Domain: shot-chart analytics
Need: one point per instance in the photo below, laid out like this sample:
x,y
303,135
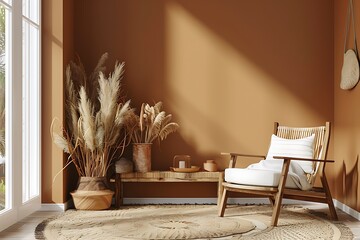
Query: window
x,y
5,17
30,96
19,109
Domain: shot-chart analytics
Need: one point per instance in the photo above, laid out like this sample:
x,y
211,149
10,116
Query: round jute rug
x,y
190,222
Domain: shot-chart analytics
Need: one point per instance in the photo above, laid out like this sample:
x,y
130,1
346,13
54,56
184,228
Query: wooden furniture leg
x,y
272,201
223,203
279,194
118,190
220,188
328,197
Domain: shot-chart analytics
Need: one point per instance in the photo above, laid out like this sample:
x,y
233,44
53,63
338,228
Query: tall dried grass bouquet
x,y
150,124
96,116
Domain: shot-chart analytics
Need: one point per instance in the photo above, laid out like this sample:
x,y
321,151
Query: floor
x,y
25,228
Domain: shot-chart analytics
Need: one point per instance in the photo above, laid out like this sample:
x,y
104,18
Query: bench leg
x,y
118,191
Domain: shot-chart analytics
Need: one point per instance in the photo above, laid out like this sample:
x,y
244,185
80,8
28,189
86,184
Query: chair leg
x,y
272,201
223,203
328,197
276,210
279,194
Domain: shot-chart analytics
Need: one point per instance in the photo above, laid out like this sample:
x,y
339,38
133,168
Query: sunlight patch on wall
x,y
56,112
57,19
216,92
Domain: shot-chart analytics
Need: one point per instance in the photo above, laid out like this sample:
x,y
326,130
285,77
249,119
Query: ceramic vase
x,y
142,157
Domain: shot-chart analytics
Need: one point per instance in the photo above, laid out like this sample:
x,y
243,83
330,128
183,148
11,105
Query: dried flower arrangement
x,y
151,124
95,129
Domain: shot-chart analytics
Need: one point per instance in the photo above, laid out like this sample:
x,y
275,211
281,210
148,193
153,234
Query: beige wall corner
x,y
56,49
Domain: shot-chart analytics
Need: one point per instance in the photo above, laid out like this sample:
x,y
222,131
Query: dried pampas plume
x,y
150,124
95,132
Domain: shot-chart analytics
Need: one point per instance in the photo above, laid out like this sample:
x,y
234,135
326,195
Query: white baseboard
x,y
265,201
131,201
56,207
52,207
347,209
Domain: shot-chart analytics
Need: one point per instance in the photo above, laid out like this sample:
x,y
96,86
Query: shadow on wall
x,y
256,29
225,71
230,67
350,183
287,50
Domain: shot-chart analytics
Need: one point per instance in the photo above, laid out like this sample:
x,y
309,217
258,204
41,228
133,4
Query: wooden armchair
x,y
281,187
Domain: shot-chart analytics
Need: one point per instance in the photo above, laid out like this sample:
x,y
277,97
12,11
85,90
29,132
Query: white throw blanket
x,y
295,171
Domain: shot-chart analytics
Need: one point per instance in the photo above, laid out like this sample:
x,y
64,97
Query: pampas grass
x,y
150,124
95,132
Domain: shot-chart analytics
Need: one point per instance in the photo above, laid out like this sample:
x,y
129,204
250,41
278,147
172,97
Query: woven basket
x,y
92,200
92,194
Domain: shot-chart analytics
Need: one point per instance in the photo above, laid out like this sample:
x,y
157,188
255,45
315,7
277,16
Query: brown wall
x,y
225,70
347,117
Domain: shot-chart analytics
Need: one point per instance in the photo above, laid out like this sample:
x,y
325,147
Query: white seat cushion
x,y
257,177
267,173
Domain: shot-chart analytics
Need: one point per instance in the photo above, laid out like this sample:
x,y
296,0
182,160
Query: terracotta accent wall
x,y
347,116
57,48
226,70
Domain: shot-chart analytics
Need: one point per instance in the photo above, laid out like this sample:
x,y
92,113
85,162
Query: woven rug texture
x,y
191,222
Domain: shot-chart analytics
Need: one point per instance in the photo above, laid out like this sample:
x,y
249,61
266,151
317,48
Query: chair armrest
x,y
243,155
303,159
233,157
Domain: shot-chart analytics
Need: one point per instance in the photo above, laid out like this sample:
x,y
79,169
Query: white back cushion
x,y
301,148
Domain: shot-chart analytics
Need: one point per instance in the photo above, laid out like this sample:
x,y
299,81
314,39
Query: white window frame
x,y
16,208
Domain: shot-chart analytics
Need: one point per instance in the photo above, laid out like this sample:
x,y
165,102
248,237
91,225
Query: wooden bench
x,y
164,176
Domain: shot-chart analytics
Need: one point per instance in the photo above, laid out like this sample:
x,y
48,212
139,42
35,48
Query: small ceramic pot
x,y
210,166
